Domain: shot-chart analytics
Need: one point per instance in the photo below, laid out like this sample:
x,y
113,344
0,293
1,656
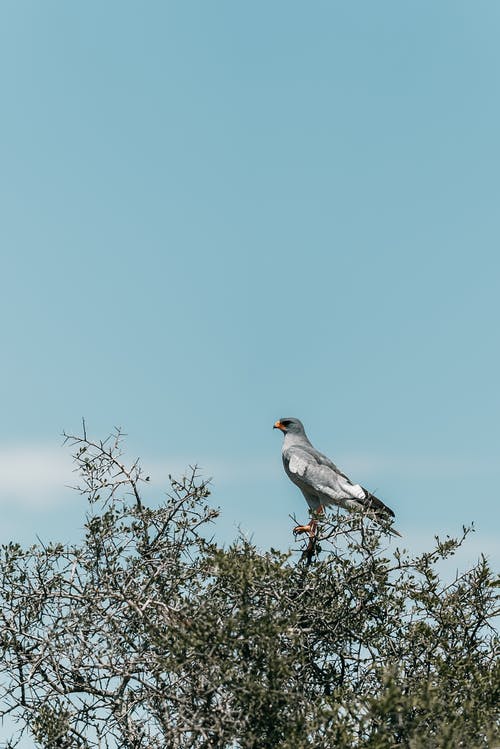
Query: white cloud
x,y
33,475
38,475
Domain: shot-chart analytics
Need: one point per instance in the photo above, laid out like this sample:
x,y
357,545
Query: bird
x,y
321,482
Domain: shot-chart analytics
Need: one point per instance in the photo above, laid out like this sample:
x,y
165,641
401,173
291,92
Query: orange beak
x,y
279,425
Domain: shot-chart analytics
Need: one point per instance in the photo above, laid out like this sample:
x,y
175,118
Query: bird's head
x,y
289,425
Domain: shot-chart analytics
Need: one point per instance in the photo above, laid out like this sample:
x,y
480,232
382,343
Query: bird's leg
x,y
312,526
312,530
305,528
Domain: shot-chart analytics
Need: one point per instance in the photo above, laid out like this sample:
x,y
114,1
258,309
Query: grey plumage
x,y
319,479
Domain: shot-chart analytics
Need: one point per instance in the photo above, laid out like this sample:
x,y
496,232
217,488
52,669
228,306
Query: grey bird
x,y
320,481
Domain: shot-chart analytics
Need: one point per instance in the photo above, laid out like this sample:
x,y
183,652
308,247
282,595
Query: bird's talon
x,y
302,529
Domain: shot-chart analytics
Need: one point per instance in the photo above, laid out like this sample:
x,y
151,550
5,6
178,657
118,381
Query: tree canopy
x,y
149,633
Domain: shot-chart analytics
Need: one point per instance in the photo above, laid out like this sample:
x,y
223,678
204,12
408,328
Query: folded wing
x,y
320,479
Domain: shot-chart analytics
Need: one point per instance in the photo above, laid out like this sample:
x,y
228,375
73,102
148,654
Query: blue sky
x,y
217,214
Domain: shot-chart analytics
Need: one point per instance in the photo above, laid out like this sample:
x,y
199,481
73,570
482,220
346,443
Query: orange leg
x,y
311,527
312,530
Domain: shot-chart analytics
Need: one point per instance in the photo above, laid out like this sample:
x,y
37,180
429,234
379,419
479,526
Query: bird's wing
x,y
298,461
306,470
324,460
315,473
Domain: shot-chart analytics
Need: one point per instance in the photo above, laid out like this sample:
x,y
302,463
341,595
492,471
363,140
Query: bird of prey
x,y
320,481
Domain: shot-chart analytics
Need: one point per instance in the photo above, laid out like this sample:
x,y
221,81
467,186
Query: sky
x,y
214,215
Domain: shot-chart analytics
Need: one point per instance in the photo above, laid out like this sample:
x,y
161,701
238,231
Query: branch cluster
x,y
149,634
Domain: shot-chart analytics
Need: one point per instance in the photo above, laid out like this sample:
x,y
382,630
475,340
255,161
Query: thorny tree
x,y
148,634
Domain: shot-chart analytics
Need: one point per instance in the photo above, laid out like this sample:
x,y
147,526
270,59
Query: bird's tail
x,y
393,532
380,512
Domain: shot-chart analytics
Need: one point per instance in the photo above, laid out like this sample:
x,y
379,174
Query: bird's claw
x,y
311,529
301,529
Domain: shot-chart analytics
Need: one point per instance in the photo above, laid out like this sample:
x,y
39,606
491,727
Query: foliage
x,y
149,634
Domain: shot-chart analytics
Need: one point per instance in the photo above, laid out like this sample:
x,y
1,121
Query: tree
x,y
150,634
